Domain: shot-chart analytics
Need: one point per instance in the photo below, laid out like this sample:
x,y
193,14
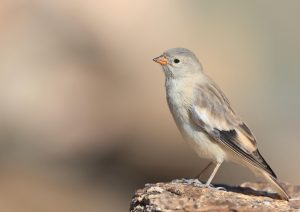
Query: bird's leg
x,y
197,182
204,170
213,174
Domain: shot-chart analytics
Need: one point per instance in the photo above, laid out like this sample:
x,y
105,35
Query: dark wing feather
x,y
229,138
213,114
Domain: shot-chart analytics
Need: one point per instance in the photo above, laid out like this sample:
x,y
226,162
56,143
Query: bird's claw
x,y
211,186
194,182
197,183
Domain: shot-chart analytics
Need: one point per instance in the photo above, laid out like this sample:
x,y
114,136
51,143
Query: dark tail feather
x,y
275,184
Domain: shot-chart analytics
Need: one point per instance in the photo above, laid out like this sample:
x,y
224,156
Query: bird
x,y
207,121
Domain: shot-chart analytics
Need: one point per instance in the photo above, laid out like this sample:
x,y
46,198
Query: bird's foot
x,y
211,186
193,182
197,183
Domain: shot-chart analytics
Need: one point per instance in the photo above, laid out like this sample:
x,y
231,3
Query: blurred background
x,y
83,116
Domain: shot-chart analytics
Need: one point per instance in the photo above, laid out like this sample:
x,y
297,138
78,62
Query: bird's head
x,y
179,62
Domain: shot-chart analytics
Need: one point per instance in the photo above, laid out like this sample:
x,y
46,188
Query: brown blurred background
x,y
83,116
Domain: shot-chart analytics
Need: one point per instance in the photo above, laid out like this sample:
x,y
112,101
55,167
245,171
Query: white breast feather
x,y
180,97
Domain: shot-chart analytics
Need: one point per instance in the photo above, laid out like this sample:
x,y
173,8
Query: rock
x,y
190,195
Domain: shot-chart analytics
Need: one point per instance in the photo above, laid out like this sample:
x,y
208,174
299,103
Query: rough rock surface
x,y
190,195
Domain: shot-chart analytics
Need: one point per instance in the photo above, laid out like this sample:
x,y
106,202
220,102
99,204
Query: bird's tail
x,y
275,184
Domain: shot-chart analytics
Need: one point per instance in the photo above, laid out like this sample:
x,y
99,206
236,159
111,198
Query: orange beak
x,y
162,60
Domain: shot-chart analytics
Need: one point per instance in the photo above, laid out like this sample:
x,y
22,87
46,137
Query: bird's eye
x,y
176,60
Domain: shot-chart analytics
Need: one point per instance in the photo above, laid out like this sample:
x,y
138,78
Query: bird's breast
x,y
179,98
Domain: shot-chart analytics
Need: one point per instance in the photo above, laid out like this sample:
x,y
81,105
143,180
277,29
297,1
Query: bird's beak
x,y
162,60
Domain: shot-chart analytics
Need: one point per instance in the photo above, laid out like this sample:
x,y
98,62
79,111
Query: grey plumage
x,y
211,99
205,118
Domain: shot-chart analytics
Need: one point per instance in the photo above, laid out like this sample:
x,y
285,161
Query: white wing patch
x,y
209,120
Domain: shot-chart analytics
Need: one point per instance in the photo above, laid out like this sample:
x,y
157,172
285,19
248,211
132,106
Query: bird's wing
x,y
211,112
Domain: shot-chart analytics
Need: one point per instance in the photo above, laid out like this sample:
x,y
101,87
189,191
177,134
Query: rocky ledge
x,y
191,195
